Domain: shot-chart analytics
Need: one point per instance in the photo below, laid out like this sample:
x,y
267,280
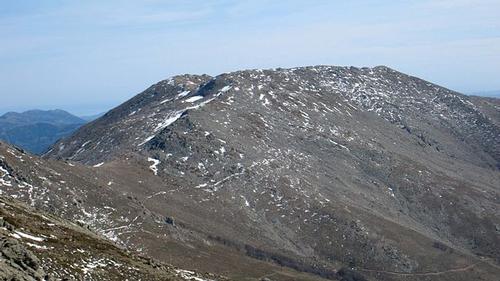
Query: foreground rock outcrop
x,y
36,246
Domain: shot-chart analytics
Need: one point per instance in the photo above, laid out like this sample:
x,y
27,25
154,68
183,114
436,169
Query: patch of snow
x,y
4,171
28,236
5,182
170,119
91,265
154,166
201,185
200,104
37,246
98,165
189,275
165,101
156,194
83,145
193,99
15,235
146,140
391,191
246,201
225,89
183,94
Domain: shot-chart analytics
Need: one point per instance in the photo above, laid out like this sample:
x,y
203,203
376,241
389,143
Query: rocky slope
x,y
39,246
101,203
306,173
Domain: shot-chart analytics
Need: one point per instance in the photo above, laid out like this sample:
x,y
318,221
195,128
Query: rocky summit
x,y
309,173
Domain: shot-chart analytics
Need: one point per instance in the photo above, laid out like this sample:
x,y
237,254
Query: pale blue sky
x,y
88,56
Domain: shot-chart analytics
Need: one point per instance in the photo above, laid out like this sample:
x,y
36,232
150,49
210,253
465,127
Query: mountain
x,y
56,116
492,94
89,118
308,173
37,130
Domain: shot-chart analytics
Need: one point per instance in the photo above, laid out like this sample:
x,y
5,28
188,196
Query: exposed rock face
x,y
312,169
18,263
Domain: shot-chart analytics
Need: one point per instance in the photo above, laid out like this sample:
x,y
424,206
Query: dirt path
x,y
461,269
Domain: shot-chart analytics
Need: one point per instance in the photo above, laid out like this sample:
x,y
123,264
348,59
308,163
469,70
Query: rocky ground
x,y
40,246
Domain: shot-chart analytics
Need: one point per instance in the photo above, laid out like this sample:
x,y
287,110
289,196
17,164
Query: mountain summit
x,y
307,173
426,111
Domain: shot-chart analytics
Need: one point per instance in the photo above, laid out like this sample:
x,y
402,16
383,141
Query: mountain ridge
x,y
36,130
361,98
56,116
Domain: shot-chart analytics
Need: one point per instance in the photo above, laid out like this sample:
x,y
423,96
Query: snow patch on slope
x,y
169,120
154,166
193,99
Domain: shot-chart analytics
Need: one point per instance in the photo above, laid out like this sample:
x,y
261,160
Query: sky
x,y
89,56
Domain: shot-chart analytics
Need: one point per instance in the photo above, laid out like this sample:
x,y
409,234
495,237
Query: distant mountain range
x,y
36,130
89,118
493,94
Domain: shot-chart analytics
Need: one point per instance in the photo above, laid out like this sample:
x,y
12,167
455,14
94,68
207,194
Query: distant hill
x,y
89,118
36,130
493,94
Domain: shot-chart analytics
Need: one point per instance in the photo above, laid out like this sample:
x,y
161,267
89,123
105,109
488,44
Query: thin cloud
x,y
461,3
120,47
